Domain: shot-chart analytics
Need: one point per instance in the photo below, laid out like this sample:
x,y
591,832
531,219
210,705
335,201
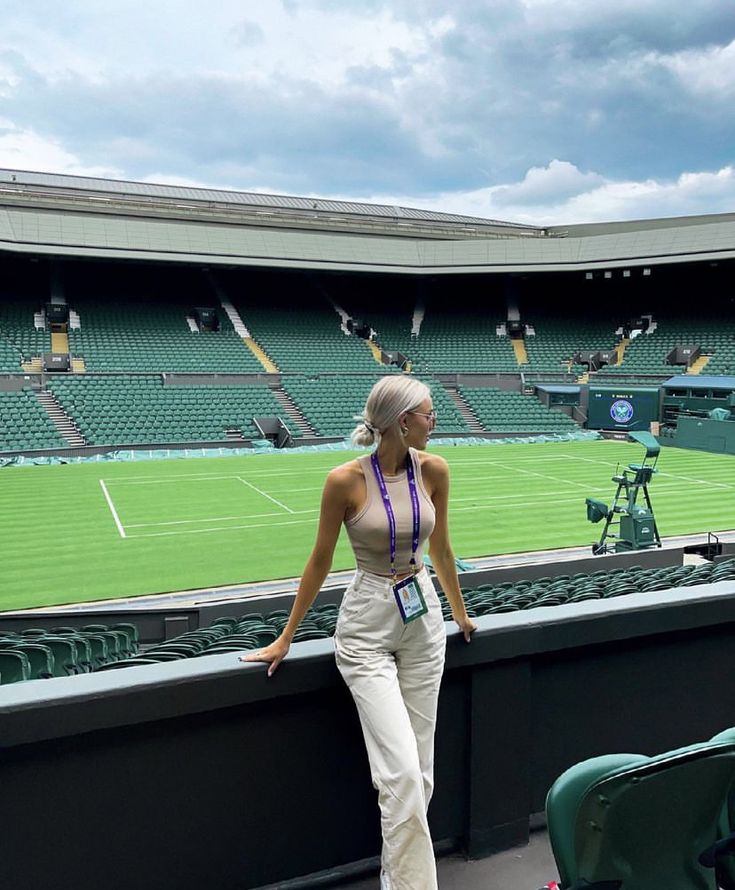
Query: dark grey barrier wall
x,y
205,773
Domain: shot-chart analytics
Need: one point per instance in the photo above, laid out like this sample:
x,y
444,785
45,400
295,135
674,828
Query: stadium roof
x,y
48,214
311,212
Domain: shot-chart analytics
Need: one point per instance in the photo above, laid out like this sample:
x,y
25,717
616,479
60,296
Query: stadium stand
x,y
304,334
24,424
458,341
606,657
331,402
20,340
139,335
646,353
135,409
253,630
37,654
507,411
556,341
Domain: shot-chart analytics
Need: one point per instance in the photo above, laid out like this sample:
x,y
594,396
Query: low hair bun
x,y
364,433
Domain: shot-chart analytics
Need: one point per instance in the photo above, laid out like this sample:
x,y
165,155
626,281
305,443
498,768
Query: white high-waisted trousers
x,y
393,671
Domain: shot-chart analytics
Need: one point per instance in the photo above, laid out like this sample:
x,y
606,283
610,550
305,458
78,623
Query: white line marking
x,y
220,528
197,478
215,519
112,508
658,472
265,495
514,469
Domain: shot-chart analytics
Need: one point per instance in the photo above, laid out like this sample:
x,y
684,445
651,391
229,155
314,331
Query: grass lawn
x,y
74,533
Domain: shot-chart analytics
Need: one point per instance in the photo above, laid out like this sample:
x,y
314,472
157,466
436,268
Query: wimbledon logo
x,y
621,411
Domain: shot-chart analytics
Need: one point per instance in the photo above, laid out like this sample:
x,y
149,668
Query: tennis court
x,y
80,532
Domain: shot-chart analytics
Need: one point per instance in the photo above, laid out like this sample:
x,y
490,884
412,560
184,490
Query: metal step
x,y
61,420
293,412
464,409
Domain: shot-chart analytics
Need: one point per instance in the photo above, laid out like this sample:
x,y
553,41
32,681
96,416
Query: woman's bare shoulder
x,y
433,463
346,474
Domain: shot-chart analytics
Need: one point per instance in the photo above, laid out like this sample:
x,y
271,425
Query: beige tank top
x,y
368,529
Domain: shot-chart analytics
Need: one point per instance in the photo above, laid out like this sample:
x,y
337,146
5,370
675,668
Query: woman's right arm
x,y
335,501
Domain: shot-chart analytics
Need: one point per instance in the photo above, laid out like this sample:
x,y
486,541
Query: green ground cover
x,y
75,533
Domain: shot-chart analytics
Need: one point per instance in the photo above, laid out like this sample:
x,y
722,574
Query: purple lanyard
x,y
415,510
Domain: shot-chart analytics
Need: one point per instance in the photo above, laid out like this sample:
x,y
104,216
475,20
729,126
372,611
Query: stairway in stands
x,y
293,412
519,348
698,364
468,415
620,350
242,331
61,420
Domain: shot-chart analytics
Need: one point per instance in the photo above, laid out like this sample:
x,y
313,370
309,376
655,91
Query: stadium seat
x,y
725,856
630,822
14,666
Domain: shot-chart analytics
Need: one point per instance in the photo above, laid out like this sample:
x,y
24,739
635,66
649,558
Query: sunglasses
x,y
431,416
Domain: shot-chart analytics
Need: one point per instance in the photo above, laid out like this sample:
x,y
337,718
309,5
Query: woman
x,y
390,636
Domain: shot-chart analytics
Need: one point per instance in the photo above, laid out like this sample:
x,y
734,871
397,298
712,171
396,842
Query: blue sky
x,y
540,111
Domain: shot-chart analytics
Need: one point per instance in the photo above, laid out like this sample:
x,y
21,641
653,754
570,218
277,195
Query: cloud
x,y
404,97
708,72
27,150
560,194
248,34
541,186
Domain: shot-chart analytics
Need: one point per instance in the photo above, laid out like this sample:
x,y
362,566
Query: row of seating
x,y
111,409
20,340
24,424
138,409
513,412
254,630
39,654
306,335
153,335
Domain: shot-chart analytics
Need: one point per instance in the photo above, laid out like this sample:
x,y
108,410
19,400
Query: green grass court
x,y
74,533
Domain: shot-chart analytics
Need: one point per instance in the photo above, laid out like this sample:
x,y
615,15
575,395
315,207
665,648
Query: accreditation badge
x,y
410,599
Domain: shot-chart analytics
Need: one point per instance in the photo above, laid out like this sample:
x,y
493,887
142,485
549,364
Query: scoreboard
x,y
622,407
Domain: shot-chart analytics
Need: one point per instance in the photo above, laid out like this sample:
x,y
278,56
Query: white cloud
x,y
27,150
709,71
560,194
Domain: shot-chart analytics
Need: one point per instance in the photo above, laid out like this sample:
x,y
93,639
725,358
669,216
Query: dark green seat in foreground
x,y
725,866
14,666
630,822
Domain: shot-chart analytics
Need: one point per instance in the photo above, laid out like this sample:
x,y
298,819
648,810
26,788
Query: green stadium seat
x,y
637,823
14,666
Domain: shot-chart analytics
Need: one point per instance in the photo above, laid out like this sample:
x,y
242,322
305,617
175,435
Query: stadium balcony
x,y
221,777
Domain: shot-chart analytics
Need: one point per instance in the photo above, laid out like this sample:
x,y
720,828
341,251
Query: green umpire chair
x,y
630,822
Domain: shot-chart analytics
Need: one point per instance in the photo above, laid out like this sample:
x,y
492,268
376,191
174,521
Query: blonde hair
x,y
390,398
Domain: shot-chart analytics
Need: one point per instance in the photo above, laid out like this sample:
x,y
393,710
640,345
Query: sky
x,y
534,111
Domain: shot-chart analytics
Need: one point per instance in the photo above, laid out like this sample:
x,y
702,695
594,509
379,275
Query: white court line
x,y
197,478
477,502
220,528
112,508
215,519
658,473
265,494
227,528
544,476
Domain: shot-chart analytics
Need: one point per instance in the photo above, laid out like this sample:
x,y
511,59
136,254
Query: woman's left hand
x,y
466,625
